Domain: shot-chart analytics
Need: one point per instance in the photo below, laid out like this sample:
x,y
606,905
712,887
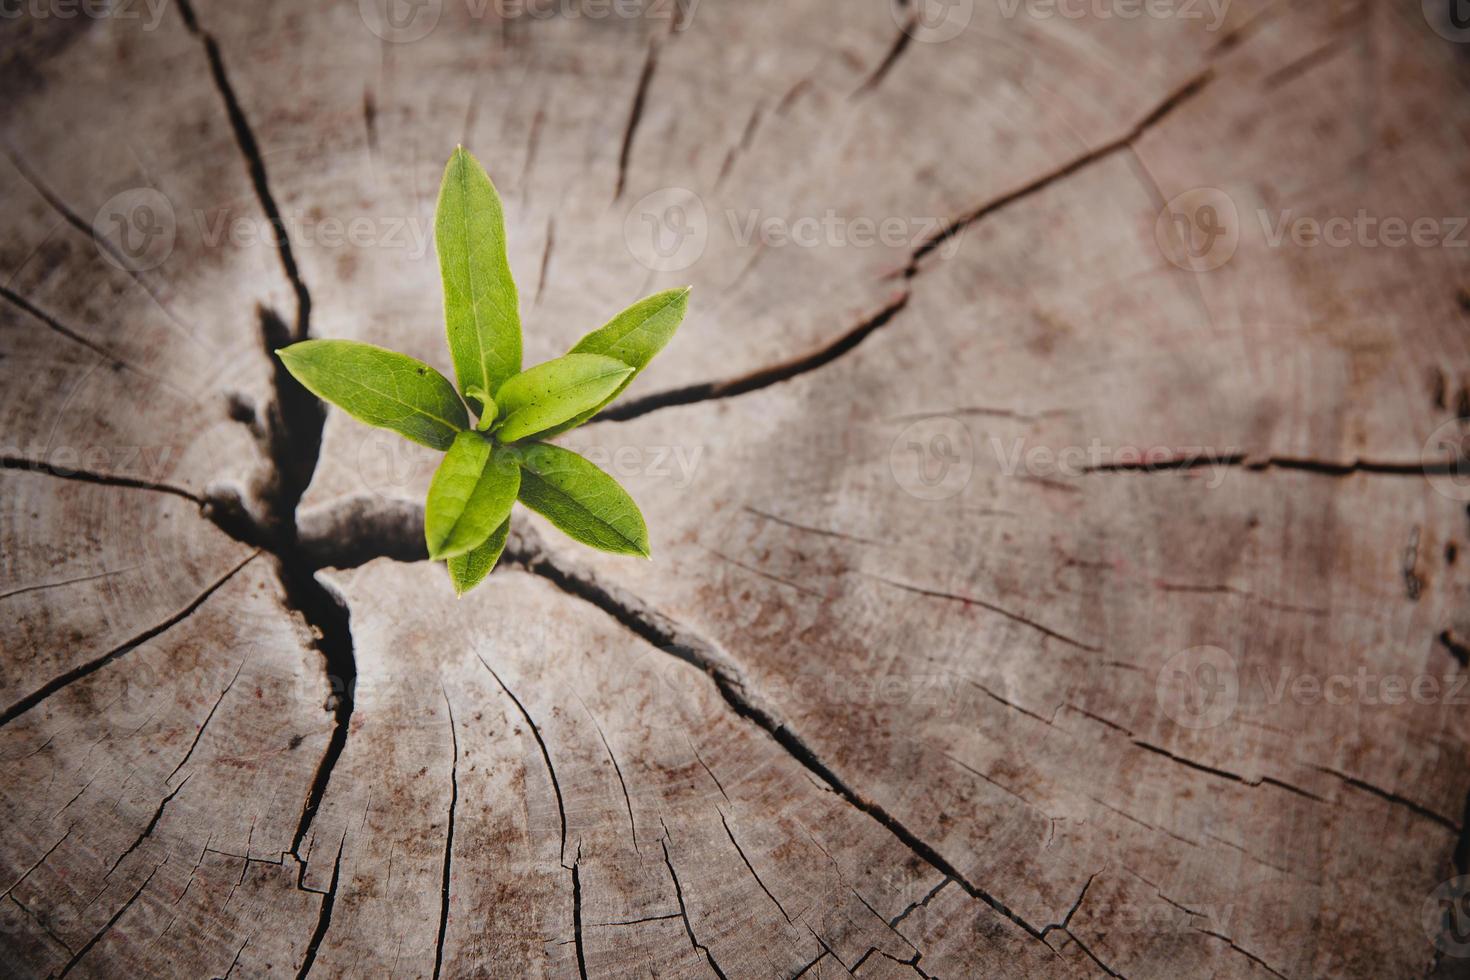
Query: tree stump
x,y
1054,495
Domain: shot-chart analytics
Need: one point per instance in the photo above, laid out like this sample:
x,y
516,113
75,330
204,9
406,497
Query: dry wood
x,y
847,723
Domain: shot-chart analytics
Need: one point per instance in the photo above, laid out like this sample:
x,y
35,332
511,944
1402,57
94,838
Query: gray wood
x,y
847,723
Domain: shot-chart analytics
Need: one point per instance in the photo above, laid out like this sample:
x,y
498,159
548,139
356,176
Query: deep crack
x,y
250,149
293,434
763,377
635,115
526,550
91,666
448,841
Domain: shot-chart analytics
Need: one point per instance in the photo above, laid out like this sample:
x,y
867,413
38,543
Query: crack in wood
x,y
765,377
635,116
81,953
82,670
1396,799
39,861
324,916
895,51
200,733
762,377
751,868
1320,467
618,770
69,215
577,914
561,808
148,830
684,913
448,838
992,607
255,163
677,641
114,360
102,479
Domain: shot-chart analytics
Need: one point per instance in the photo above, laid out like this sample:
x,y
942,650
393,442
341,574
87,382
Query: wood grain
x,y
1026,600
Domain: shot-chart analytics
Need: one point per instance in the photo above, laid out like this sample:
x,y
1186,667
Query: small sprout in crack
x,y
503,456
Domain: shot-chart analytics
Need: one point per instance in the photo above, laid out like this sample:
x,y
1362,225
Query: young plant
x,y
503,456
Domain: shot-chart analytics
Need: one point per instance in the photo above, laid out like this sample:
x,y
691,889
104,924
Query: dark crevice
x,y
1243,952
1225,773
1067,919
639,921
1185,92
1093,956
561,808
577,914
236,961
1321,467
293,433
355,530
762,378
200,733
1416,808
893,922
627,800
526,551
82,670
114,360
327,615
293,424
86,476
684,915
39,861
87,231
41,924
250,149
62,583
324,917
635,115
751,868
448,841
110,923
148,830
895,51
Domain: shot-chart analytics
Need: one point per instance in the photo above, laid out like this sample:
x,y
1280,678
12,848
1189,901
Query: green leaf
x,y
469,569
634,336
487,407
551,393
481,312
581,500
380,387
470,496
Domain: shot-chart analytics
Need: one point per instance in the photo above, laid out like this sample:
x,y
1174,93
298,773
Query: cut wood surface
x,y
1034,592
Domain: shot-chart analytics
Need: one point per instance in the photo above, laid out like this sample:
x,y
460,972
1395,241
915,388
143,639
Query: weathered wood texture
x,y
900,694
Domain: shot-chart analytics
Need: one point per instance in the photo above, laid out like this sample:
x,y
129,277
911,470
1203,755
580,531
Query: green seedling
x,y
503,456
